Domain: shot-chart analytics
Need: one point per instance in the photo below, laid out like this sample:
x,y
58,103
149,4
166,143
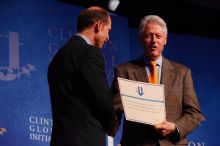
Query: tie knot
x,y
153,64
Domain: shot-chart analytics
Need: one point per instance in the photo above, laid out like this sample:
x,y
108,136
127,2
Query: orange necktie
x,y
153,78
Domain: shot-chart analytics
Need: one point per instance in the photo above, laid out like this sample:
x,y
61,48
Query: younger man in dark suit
x,y
82,108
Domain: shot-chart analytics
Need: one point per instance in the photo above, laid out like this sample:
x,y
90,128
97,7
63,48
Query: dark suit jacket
x,y
181,103
82,107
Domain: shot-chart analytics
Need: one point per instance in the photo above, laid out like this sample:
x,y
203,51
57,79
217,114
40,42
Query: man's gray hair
x,y
152,18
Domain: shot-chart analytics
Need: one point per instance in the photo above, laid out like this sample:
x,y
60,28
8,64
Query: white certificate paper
x,y
142,102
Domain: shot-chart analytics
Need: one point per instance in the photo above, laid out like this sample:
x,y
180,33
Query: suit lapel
x,y
167,75
140,72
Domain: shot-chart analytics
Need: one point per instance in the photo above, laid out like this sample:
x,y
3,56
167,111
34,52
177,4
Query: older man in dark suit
x,y
182,108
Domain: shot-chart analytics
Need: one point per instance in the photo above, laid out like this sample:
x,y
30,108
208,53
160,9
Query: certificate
x,y
142,102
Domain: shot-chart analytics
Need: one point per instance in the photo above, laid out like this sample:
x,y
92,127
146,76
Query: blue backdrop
x,y
30,34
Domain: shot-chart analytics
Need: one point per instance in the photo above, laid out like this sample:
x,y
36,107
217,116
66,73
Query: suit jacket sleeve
x,y
115,90
191,114
116,95
93,72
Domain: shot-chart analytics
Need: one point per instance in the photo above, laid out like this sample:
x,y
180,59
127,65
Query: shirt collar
x,y
159,60
84,37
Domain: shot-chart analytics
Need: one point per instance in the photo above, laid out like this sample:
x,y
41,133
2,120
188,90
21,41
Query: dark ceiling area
x,y
195,17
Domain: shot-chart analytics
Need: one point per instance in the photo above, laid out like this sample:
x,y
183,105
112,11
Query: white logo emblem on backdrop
x,y
13,70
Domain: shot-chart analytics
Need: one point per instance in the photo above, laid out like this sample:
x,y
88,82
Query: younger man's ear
x,y
97,26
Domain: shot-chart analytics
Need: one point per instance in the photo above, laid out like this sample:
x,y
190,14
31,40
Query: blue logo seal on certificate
x,y
140,91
